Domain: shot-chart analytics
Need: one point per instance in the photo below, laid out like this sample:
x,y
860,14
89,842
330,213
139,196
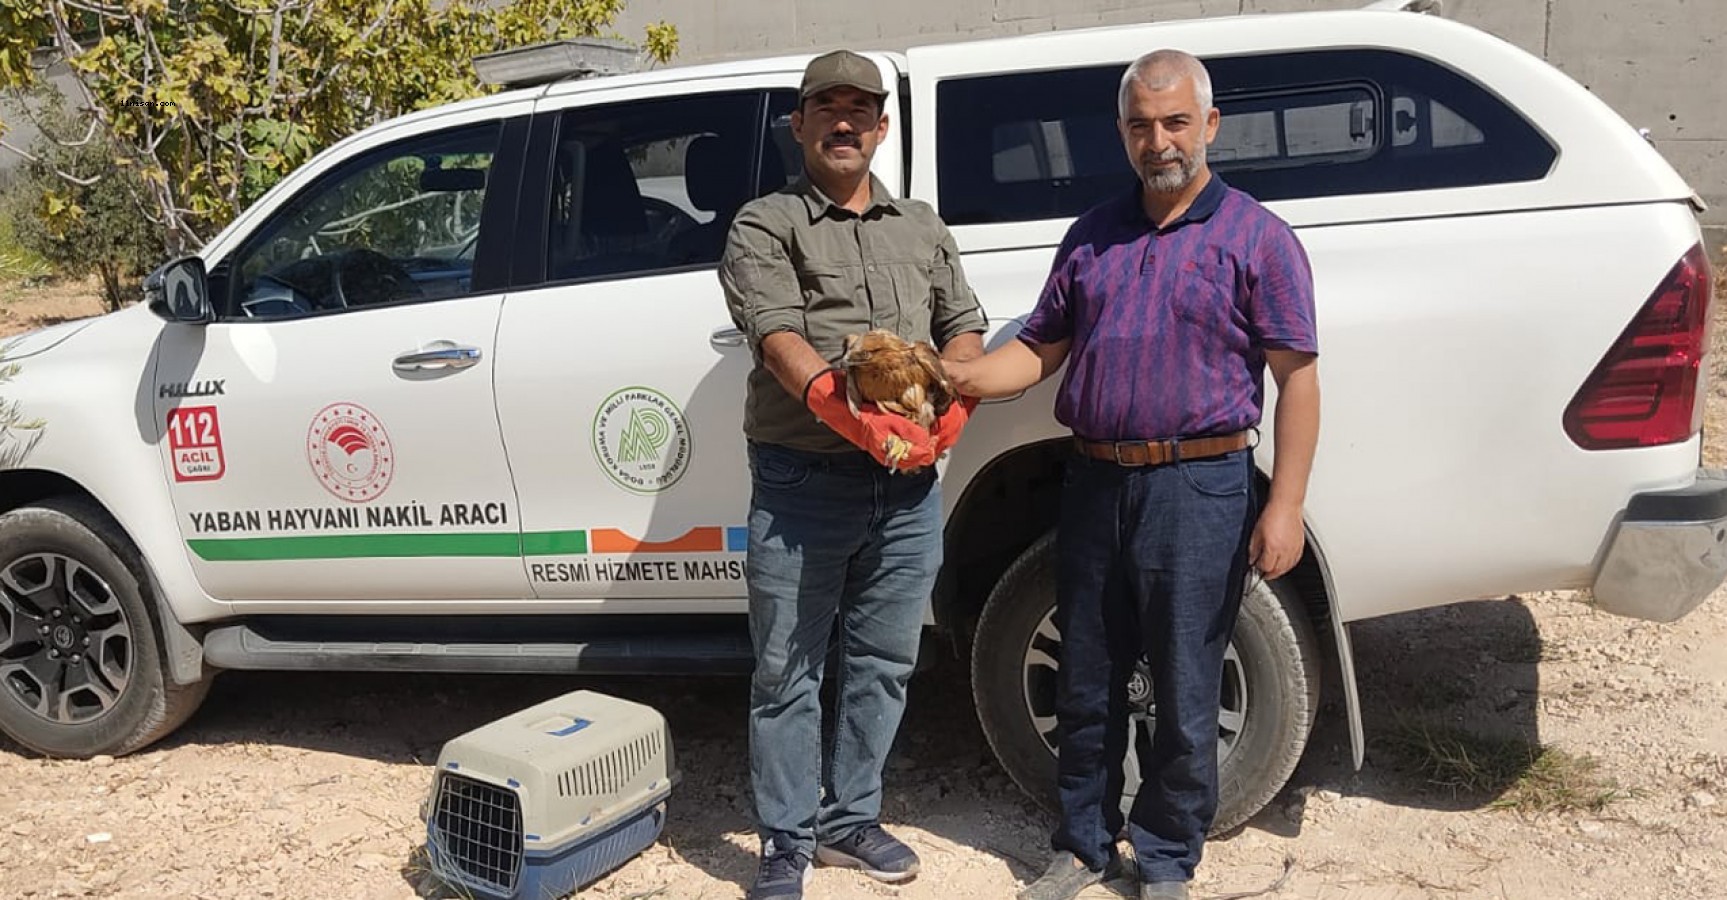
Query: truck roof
x,y
1237,32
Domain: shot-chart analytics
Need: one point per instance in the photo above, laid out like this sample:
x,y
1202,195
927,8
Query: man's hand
x,y
1277,540
894,441
1013,367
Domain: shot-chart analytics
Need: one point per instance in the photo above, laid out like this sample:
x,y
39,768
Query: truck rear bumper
x,y
1669,552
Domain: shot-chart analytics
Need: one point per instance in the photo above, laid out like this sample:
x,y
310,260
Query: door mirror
x,y
179,291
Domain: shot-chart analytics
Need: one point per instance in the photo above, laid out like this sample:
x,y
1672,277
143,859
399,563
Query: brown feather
x,y
896,375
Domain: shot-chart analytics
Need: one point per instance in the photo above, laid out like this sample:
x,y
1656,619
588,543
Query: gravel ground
x,y
308,785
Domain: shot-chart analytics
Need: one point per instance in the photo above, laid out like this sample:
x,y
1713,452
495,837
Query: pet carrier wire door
x,y
548,799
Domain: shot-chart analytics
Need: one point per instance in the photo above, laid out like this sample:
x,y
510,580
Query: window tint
x,y
1296,128
399,224
1413,117
1046,150
1044,144
651,185
783,160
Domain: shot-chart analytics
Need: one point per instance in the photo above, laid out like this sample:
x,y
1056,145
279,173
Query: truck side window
x,y
396,224
1044,145
651,185
1297,128
782,157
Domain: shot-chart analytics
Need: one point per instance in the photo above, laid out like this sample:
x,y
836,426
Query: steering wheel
x,y
362,276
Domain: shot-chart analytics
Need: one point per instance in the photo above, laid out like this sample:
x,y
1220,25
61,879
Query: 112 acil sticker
x,y
195,440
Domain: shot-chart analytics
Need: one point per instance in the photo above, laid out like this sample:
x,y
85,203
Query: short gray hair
x,y
1159,70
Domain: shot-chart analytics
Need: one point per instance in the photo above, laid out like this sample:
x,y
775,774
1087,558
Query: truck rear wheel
x,y
1270,690
81,670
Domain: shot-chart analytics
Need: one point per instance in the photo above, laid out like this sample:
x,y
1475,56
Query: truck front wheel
x,y
1270,689
81,671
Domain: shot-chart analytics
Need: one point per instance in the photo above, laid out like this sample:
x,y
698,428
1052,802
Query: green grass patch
x,y
1510,773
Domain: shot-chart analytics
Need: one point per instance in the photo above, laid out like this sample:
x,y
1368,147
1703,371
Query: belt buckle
x,y
1175,451
1115,448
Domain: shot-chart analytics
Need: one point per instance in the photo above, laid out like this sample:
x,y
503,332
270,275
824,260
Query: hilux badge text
x,y
212,388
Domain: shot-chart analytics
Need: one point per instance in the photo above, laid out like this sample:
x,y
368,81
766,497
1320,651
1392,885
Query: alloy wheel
x,y
66,649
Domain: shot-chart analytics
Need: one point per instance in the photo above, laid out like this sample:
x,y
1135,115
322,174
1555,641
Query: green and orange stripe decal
x,y
578,542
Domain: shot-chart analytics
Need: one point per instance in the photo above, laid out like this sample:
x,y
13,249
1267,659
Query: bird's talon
x,y
896,448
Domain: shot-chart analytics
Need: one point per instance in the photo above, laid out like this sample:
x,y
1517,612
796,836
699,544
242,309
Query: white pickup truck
x,y
461,393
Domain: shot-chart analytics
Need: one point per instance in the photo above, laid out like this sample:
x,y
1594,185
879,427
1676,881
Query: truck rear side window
x,y
1040,145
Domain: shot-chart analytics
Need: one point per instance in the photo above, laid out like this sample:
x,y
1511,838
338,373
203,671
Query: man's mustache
x,y
1170,155
843,139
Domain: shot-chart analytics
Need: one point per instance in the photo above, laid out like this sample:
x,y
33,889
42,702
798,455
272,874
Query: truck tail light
x,y
1647,390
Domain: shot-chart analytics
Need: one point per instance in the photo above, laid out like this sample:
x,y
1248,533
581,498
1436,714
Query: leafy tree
x,y
213,101
83,226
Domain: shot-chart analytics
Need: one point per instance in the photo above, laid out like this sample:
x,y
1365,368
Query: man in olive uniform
x,y
838,528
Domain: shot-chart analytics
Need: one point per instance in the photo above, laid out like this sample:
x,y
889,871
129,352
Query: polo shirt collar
x,y
1202,208
820,204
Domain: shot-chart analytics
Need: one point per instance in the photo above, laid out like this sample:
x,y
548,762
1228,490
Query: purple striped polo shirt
x,y
1170,325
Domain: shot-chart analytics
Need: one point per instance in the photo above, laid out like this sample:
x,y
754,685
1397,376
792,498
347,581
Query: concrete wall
x,y
1660,63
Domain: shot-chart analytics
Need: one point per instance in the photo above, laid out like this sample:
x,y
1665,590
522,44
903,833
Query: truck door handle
x,y
437,355
726,337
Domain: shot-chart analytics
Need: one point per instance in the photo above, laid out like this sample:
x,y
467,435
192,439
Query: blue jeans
x,y
832,537
1152,561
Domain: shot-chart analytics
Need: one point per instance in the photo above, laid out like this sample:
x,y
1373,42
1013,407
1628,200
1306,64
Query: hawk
x,y
898,376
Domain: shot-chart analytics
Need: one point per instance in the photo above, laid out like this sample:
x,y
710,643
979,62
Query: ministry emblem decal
x,y
642,440
350,452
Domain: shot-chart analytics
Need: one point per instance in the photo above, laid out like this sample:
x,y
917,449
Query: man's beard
x,y
1169,180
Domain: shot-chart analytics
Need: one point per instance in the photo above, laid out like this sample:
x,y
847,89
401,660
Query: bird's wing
x,y
938,389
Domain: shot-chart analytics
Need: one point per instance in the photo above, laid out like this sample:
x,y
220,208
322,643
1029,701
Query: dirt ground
x,y
1526,748
24,307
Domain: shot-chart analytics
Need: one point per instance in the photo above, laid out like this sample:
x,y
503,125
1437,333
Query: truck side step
x,y
243,646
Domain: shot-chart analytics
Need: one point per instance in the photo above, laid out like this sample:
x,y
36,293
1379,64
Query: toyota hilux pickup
x,y
461,394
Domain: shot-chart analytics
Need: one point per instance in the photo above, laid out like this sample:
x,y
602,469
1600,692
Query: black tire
x,y
118,697
1274,675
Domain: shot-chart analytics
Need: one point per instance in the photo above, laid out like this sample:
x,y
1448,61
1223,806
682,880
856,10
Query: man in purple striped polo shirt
x,y
1167,304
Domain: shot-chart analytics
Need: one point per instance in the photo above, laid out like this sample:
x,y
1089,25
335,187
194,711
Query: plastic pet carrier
x,y
549,799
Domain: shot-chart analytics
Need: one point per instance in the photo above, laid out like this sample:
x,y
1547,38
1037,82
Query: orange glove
x,y
894,441
947,428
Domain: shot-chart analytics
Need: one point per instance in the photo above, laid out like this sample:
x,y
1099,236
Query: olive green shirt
x,y
796,261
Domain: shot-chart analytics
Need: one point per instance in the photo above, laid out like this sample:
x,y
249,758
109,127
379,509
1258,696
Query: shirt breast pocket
x,y
834,305
1204,288
822,280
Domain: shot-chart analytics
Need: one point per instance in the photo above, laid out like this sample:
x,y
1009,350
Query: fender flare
x,y
1345,655
182,650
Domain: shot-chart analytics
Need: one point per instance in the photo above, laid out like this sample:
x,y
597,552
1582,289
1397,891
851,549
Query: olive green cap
x,y
841,68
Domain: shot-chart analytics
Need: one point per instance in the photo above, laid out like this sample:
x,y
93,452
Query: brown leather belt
x,y
1156,453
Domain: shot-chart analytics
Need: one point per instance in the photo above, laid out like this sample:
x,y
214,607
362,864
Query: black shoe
x,y
1163,890
878,854
782,875
1067,876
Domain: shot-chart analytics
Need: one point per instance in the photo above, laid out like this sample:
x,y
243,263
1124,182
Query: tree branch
x,y
273,79
81,182
148,42
97,8
48,133
70,49
336,66
339,226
